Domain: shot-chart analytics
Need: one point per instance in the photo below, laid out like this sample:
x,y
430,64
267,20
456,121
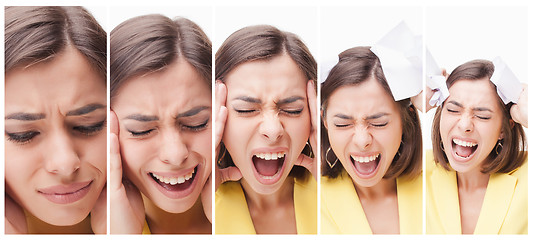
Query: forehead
x,y
365,98
178,84
68,76
279,74
479,92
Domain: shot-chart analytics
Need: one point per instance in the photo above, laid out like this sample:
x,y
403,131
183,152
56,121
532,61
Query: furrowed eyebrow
x,y
343,116
248,99
289,100
192,112
456,103
85,109
25,116
482,109
142,118
376,116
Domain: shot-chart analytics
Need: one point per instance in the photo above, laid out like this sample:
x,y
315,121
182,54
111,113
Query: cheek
x,y
339,141
21,165
237,133
200,143
95,152
134,154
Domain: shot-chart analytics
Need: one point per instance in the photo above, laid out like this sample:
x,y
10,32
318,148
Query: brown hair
x,y
262,42
35,34
513,143
355,66
150,43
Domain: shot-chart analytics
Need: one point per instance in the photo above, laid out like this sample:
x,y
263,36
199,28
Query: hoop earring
x,y
331,165
221,158
499,144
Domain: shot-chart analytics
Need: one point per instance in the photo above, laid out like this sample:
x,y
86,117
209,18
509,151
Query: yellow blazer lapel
x,y
231,210
343,204
445,192
499,193
305,202
410,200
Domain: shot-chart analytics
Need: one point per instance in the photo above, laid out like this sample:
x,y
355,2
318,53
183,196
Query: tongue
x,y
463,151
265,167
366,168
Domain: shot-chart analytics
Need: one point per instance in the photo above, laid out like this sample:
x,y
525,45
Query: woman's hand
x,y
15,220
126,203
99,213
519,111
229,173
303,160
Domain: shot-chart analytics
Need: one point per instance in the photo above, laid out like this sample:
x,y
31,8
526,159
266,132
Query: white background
x,y
443,20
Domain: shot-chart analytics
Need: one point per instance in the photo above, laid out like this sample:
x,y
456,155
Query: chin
x,y
63,217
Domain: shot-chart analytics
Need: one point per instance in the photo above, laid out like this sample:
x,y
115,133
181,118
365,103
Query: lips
x,y
366,165
65,194
463,149
175,185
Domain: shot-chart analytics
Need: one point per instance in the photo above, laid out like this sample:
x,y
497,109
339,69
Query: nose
x,y
271,128
465,123
63,158
362,138
173,149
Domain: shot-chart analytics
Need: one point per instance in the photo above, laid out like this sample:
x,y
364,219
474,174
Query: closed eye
x,y
91,129
198,127
293,112
22,137
140,133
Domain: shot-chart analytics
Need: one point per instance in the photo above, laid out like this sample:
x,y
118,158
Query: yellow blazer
x,y
504,209
342,212
233,217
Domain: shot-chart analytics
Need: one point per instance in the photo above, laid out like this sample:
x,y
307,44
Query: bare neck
x,y
384,188
192,221
472,180
265,201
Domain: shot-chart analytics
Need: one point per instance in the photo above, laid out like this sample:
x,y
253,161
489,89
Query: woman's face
x,y
165,134
55,131
471,123
365,130
268,120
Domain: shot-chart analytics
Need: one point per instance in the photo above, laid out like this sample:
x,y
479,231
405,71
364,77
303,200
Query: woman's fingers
x,y
519,111
206,198
222,112
308,163
226,174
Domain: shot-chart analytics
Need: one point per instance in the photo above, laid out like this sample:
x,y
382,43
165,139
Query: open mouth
x,y
463,149
174,185
366,166
268,165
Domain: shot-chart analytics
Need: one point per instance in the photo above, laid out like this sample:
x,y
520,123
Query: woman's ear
x,y
512,124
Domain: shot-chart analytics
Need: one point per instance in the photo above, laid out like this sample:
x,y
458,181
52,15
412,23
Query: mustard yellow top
x,y
233,217
342,212
146,230
504,209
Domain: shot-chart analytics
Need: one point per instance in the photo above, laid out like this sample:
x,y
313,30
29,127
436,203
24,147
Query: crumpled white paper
x,y
400,53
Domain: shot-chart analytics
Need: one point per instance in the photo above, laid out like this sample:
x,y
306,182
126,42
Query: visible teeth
x,y
365,159
464,143
174,180
270,156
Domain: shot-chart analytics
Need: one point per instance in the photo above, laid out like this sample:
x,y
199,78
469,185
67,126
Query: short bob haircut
x,y
355,66
262,43
38,34
150,43
513,143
